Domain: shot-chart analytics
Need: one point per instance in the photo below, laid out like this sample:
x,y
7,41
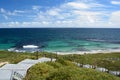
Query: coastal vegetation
x,y
64,68
110,61
13,57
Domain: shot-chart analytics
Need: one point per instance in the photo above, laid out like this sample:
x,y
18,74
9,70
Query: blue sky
x,y
60,13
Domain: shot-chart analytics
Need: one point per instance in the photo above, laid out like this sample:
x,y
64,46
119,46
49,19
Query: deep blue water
x,y
61,39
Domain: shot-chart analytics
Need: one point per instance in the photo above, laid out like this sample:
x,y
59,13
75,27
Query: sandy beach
x,y
85,52
3,63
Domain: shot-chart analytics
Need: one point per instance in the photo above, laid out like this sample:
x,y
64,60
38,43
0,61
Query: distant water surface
x,y
61,39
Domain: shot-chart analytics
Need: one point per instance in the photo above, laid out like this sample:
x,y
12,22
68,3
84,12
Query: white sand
x,y
83,52
3,63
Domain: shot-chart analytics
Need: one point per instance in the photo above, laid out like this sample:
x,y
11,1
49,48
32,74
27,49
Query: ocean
x,y
62,39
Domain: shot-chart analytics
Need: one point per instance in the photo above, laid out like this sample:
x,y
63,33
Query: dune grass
x,y
65,70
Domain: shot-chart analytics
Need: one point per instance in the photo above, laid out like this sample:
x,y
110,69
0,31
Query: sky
x,y
60,13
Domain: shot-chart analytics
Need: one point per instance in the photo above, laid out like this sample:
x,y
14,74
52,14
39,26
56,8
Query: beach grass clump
x,y
64,68
61,71
13,57
39,71
110,61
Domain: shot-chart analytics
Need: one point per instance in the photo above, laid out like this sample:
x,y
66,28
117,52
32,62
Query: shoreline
x,y
3,63
87,52
72,52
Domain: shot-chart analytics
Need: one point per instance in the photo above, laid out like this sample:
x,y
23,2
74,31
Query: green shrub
x,y
73,73
54,64
65,62
39,72
57,71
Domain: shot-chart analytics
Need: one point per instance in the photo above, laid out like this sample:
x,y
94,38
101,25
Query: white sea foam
x,y
26,48
71,52
11,49
95,40
30,46
33,48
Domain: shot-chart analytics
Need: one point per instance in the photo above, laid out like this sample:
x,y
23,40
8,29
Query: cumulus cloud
x,y
89,16
77,13
37,8
53,12
115,2
12,13
19,11
77,5
6,17
5,12
2,10
115,18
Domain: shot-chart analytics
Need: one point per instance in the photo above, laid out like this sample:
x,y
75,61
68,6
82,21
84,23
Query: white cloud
x,y
77,5
53,12
36,7
19,11
78,13
115,2
5,12
2,10
6,17
13,24
115,18
12,13
74,13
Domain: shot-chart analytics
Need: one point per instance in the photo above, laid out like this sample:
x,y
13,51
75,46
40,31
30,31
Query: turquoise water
x,y
79,45
5,46
61,40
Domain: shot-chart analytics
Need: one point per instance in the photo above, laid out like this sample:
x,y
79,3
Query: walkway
x,y
19,71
